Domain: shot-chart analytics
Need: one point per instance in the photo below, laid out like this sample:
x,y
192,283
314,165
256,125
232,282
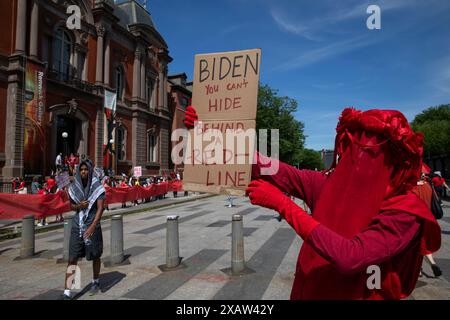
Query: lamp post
x,y
64,136
111,142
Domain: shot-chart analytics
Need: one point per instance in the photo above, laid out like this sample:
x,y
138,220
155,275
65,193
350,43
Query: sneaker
x,y
65,297
39,224
95,288
436,270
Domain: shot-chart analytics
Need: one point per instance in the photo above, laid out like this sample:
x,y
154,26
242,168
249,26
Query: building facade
x,y
53,80
180,96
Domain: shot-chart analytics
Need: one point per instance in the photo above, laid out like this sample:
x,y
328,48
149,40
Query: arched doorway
x,y
70,119
72,127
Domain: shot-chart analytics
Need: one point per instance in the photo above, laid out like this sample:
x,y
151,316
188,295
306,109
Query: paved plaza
x,y
271,249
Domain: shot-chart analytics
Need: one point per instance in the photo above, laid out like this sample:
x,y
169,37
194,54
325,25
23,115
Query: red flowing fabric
x,y
379,163
16,206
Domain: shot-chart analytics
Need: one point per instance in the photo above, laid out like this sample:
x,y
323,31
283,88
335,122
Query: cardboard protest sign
x,y
137,172
225,92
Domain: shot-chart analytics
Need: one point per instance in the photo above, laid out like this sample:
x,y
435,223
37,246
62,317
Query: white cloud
x,y
331,50
313,27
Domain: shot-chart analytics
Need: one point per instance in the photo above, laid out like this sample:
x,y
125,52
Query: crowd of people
x,y
130,181
69,166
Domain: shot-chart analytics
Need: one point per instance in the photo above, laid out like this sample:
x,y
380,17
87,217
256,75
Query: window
x,y
62,50
184,103
81,63
46,48
151,147
121,144
119,83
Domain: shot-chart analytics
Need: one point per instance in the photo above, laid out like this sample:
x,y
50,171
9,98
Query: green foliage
x,y
434,123
310,159
275,112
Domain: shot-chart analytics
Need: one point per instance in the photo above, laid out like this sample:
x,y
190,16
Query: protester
x,y
58,162
425,192
134,182
19,185
173,177
71,163
66,164
35,186
49,187
124,184
364,212
105,183
86,196
439,184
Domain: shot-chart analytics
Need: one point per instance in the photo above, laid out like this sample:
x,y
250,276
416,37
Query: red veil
x,y
377,163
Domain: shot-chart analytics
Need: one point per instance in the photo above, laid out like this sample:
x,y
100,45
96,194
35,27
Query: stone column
x,y
165,89
27,247
237,245
116,239
21,26
137,74
164,145
152,101
100,48
34,29
15,119
172,242
107,62
66,241
143,78
99,131
134,133
161,90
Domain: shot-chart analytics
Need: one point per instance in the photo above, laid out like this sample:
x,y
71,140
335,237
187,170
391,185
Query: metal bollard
x,y
116,239
172,242
67,232
237,245
27,248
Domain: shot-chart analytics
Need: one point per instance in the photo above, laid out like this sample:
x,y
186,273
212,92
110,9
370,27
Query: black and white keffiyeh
x,y
91,192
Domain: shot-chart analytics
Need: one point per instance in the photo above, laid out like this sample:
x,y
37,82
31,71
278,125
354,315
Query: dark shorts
x,y
77,247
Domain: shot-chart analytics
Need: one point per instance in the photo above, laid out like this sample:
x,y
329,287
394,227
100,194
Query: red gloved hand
x,y
191,117
264,194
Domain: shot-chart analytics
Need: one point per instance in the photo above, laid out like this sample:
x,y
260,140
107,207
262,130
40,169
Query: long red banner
x,y
15,206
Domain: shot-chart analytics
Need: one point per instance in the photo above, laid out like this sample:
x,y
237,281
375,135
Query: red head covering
x,y
425,169
377,163
50,184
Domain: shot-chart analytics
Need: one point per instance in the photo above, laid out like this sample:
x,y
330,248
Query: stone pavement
x,y
271,249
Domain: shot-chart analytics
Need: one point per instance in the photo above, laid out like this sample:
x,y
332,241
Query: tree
x,y
310,159
434,123
275,112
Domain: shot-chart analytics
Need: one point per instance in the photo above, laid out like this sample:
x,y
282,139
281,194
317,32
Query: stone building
x,y
180,97
53,80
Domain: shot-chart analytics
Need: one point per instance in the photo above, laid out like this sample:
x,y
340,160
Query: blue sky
x,y
321,52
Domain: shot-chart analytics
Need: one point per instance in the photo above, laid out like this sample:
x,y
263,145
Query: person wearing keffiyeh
x,y
87,196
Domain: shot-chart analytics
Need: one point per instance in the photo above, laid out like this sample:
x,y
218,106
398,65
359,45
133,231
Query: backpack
x,y
436,205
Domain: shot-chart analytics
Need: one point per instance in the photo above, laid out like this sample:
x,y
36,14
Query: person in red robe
x,y
364,214
425,192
